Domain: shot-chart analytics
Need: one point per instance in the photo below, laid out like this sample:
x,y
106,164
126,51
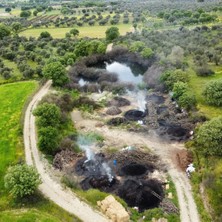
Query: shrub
x,y
179,88
213,93
21,180
209,137
187,100
203,71
170,77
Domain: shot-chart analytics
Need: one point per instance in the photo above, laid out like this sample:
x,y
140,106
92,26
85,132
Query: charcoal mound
x,y
134,169
144,194
118,101
157,99
117,121
113,111
173,130
103,183
135,115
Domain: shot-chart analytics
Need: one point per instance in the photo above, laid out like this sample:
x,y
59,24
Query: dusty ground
x,y
120,138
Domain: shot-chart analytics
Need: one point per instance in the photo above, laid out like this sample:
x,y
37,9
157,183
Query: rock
x,y
167,186
170,195
113,209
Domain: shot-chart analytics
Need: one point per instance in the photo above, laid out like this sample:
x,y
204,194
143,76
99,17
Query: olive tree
x,y
48,115
112,33
209,137
4,31
213,93
21,180
57,72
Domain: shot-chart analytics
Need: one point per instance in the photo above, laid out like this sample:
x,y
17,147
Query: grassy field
x,y
85,31
196,82
12,99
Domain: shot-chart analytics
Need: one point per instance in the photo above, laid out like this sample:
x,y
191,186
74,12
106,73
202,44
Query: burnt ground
x,y
127,173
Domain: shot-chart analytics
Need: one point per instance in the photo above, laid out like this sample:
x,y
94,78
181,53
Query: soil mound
x,y
113,111
118,101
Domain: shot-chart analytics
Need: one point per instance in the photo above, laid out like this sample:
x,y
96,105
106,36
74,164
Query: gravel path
x,y
51,189
115,137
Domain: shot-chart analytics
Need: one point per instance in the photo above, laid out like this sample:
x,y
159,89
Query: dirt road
x,y
115,137
49,187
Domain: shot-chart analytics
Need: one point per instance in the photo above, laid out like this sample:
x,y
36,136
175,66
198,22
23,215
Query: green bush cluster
x,y
21,180
48,120
213,93
177,82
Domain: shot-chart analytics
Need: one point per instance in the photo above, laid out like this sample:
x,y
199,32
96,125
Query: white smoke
x,y
141,100
107,171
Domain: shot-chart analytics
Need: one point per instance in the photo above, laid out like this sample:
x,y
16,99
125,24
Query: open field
x,y
12,99
196,82
86,31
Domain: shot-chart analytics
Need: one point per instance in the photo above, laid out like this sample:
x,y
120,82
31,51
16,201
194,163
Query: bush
x,y
48,139
179,88
170,77
187,100
213,93
48,115
21,180
203,71
209,137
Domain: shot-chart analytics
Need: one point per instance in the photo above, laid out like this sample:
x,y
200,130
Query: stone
x,y
113,209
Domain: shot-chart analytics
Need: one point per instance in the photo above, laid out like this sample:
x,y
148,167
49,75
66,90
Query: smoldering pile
x,y
127,174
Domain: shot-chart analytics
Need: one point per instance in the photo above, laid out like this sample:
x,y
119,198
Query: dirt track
x,y
115,137
49,187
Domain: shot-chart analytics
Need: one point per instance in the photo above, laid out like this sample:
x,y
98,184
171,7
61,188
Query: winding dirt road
x,y
49,187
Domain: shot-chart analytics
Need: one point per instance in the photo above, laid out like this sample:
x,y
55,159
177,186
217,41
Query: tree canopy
x,y
21,180
4,31
213,93
209,137
57,72
112,33
48,115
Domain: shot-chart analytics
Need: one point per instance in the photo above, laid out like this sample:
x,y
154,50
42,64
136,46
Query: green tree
x,y
44,35
48,115
16,26
8,9
48,139
35,12
213,93
74,32
137,46
209,137
25,14
187,100
112,33
21,180
146,53
170,77
57,72
179,88
4,31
